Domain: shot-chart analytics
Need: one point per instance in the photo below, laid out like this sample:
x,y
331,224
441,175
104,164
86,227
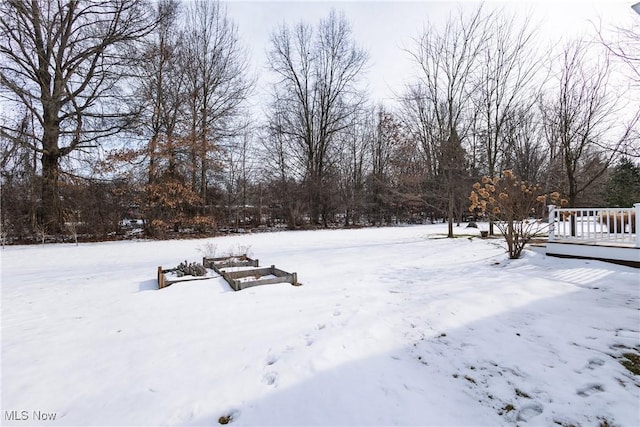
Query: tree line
x,y
131,110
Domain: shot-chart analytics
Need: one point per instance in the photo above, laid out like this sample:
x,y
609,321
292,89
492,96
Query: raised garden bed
x,y
168,277
239,271
258,276
231,261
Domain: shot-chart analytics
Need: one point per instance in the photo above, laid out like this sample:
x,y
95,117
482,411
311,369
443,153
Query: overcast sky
x,y
384,28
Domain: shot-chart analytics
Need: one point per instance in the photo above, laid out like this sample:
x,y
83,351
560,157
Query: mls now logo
x,y
26,416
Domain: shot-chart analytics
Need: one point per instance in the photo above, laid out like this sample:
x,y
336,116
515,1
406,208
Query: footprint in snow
x,y
337,313
594,363
271,359
270,378
529,411
590,389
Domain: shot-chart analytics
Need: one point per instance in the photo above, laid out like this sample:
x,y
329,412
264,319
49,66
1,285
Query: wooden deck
x,y
596,233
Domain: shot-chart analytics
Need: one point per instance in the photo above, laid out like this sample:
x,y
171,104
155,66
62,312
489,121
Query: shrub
x,y
512,205
192,269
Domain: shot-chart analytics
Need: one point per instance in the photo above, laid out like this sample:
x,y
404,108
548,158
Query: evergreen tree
x,y
623,187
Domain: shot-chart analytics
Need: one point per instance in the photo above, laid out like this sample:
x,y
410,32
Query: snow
x,y
254,278
173,276
235,269
392,326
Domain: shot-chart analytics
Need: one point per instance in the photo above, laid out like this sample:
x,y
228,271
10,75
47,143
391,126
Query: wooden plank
x,y
163,282
225,262
291,277
248,273
269,281
282,276
161,278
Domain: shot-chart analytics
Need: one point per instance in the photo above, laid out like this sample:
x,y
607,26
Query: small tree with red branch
x,y
513,206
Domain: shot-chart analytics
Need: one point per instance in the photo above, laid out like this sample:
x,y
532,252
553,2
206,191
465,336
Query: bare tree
x,y
18,176
408,176
239,171
315,97
384,141
582,116
447,61
193,86
63,62
162,89
417,116
506,71
217,73
504,76
355,165
525,152
281,174
624,43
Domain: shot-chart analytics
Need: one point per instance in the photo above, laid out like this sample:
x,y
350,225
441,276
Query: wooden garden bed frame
x,y
232,277
230,261
163,282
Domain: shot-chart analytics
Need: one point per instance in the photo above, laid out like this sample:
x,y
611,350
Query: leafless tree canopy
x,y
504,78
157,96
193,95
217,82
582,115
316,96
440,100
624,43
62,61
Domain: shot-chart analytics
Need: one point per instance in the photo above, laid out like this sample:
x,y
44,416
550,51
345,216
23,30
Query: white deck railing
x,y
595,225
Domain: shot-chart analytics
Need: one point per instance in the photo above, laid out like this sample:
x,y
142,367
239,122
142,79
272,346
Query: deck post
x,y
637,207
552,221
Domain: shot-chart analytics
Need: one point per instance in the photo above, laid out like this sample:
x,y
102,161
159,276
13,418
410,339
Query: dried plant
x,y
244,250
71,220
208,249
41,230
513,206
239,250
190,269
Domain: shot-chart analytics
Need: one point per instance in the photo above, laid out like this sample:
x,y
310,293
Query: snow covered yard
x,y
392,326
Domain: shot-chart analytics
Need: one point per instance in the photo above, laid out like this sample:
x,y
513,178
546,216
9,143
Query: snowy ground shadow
x,y
217,284
148,285
548,362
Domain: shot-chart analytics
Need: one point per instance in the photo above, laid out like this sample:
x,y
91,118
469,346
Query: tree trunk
x,y
510,240
50,213
314,198
450,215
203,150
573,196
